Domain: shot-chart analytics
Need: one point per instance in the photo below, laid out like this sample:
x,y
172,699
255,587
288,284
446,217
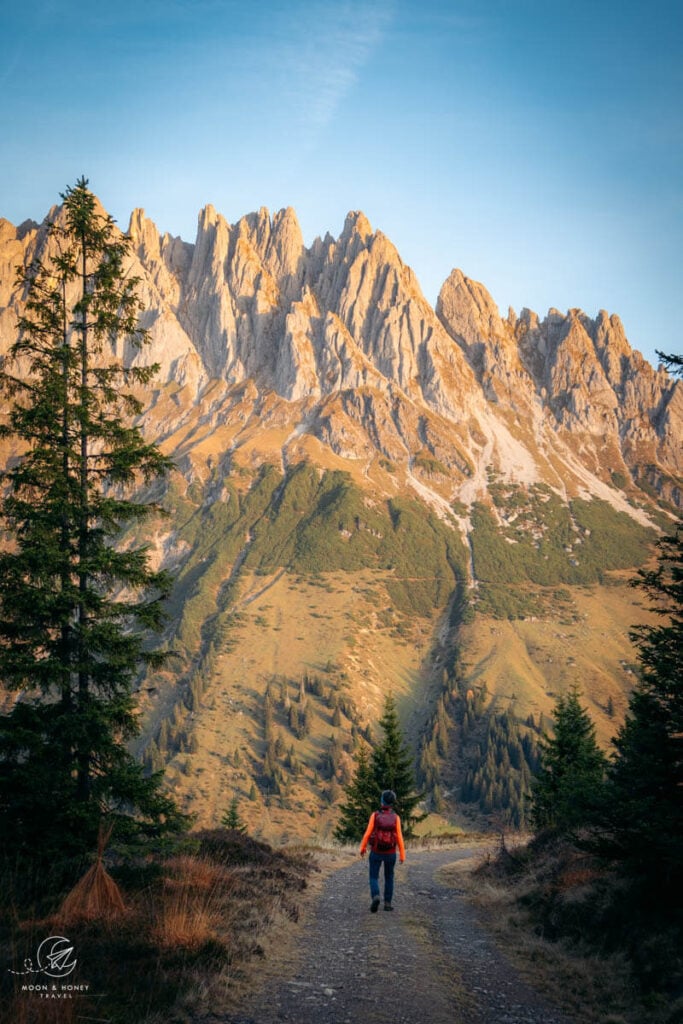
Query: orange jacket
x,y
399,837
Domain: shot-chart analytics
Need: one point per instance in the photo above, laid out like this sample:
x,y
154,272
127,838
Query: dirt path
x,y
428,962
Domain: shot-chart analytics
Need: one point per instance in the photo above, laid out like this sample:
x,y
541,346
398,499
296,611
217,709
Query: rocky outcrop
x,y
471,318
580,375
342,332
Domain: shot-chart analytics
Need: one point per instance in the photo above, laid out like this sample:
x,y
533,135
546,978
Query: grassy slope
x,y
530,661
351,585
332,628
334,631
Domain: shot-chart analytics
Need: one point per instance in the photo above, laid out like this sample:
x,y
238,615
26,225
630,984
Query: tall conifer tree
x,y
75,609
232,819
392,767
571,771
642,821
643,818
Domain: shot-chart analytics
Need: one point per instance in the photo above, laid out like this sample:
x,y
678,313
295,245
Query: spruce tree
x,y
673,363
392,768
231,818
571,771
642,825
361,801
76,610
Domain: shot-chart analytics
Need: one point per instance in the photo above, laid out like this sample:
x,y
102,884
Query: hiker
x,y
383,835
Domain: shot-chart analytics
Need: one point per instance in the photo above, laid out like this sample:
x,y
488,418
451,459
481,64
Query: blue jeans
x,y
376,861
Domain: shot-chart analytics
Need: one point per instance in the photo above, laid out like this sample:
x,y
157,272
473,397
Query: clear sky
x,y
535,144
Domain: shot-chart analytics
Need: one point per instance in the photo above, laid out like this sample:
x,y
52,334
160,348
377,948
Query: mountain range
x,y
375,495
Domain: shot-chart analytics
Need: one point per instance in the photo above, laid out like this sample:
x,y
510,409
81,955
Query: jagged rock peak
x,y
357,223
144,233
207,215
7,229
138,222
467,310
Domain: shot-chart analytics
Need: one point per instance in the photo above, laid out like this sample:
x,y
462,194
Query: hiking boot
x,y
374,905
388,906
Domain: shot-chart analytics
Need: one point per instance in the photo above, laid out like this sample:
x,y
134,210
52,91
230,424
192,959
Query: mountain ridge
x,y
354,316
366,486
250,301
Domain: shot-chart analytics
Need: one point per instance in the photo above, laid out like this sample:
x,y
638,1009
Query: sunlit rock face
x,y
337,342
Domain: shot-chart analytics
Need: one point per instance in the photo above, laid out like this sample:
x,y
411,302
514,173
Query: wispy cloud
x,y
322,59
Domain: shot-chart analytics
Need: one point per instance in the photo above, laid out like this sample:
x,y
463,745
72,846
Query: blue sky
x,y
535,144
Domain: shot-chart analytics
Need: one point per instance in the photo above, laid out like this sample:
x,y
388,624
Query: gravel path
x,y
428,962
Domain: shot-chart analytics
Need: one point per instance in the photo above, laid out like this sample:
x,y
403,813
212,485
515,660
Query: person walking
x,y
383,836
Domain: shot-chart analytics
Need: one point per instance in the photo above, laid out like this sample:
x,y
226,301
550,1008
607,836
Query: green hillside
x,y
302,599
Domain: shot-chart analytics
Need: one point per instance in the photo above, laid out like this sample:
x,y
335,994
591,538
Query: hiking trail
x,y
430,961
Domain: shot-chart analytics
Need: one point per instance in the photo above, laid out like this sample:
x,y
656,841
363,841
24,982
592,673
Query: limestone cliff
x,y
341,333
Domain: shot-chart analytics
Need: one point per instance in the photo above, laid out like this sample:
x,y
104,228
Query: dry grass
x,y
95,897
533,660
590,986
192,912
198,874
513,891
195,927
185,921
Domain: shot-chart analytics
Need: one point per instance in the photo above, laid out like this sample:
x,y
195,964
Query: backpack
x,y
383,838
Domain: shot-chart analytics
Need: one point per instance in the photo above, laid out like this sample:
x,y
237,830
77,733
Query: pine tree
x,y
571,771
392,768
643,815
231,818
361,801
75,610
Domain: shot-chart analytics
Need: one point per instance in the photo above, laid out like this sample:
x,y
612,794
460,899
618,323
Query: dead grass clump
x,y
186,920
96,896
194,903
